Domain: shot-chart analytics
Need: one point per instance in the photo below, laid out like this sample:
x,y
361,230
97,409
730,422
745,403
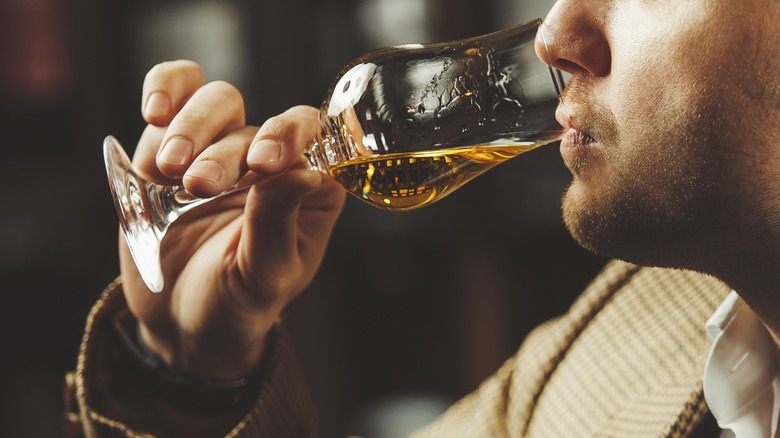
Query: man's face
x,y
674,117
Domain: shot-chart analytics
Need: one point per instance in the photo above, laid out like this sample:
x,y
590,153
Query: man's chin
x,y
599,226
579,217
613,233
583,235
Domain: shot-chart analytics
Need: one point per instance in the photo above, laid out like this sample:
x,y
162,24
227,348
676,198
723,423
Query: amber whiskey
x,y
404,181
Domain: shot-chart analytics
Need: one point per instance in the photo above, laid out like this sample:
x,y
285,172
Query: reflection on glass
x,y
401,127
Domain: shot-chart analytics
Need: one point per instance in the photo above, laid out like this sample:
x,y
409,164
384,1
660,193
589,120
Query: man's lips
x,y
575,140
574,147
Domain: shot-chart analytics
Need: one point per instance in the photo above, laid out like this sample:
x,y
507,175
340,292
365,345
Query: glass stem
x,y
174,201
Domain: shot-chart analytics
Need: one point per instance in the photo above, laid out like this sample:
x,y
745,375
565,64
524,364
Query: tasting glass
x,y
400,128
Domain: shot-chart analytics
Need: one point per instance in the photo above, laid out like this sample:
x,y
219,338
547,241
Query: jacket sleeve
x,y
502,404
106,402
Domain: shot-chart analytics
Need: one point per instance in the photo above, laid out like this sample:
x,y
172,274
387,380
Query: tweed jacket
x,y
625,361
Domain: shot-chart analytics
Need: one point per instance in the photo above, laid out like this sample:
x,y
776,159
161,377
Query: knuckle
x,y
277,125
168,69
227,94
225,88
155,72
185,67
290,127
290,120
302,111
186,120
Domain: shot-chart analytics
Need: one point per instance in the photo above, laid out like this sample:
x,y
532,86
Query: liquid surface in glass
x,y
409,180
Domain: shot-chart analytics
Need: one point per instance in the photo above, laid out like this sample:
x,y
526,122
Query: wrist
x,y
186,392
215,356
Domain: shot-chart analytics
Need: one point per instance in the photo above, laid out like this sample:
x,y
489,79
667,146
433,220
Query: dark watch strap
x,y
192,394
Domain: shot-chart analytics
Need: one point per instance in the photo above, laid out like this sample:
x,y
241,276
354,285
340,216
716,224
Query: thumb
x,y
268,250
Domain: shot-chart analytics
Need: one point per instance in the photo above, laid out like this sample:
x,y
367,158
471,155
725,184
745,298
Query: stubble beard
x,y
645,203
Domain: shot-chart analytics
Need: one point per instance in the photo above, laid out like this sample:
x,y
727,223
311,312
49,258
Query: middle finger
x,y
216,108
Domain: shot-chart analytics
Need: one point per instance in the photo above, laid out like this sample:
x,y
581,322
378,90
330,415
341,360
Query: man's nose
x,y
573,38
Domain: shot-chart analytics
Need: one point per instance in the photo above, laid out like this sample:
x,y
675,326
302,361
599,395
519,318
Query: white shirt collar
x,y
741,378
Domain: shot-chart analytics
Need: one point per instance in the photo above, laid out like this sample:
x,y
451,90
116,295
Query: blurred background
x,y
410,311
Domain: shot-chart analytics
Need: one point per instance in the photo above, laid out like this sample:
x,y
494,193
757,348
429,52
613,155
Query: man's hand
x,y
232,265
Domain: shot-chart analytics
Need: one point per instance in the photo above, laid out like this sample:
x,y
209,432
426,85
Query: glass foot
x,y
143,227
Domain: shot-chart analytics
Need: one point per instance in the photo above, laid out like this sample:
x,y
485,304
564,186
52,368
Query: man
x,y
671,121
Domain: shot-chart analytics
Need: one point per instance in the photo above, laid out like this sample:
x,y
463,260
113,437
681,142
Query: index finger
x,y
167,87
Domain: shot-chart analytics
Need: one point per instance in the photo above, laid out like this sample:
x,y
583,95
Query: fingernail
x,y
265,151
177,151
158,105
207,170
